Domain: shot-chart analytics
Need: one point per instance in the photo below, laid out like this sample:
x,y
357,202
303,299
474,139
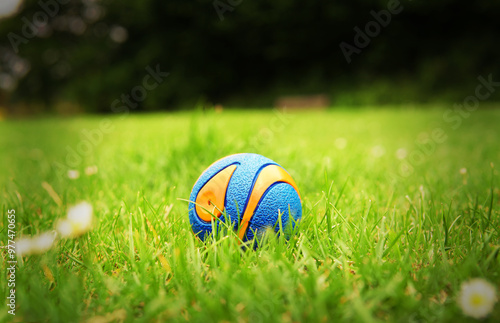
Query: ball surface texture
x,y
251,190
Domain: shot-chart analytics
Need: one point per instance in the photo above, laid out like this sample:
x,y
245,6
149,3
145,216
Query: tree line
x,y
88,54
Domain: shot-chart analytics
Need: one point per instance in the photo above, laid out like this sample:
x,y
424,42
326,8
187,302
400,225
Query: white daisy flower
x,y
23,246
463,171
477,298
78,221
73,174
43,242
64,228
35,245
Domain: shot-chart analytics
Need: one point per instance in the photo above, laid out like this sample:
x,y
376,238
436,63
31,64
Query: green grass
x,y
381,239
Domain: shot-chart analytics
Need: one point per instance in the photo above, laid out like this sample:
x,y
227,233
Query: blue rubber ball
x,y
250,190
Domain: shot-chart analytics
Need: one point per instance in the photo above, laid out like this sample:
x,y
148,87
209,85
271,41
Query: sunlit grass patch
x,y
374,244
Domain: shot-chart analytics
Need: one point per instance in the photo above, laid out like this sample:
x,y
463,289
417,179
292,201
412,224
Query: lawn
x,y
400,207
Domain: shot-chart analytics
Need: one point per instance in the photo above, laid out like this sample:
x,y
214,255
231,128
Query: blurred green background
x,y
62,56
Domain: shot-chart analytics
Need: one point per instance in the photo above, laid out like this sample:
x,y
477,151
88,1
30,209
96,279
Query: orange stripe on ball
x,y
211,197
268,176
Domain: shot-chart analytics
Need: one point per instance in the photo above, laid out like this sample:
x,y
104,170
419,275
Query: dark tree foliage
x,y
241,52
